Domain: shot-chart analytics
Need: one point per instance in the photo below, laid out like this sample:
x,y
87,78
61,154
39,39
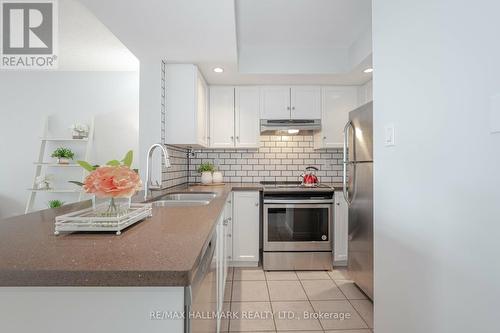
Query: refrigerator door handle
x,y
346,162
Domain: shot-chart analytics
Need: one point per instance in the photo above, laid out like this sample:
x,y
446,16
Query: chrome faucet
x,y
149,186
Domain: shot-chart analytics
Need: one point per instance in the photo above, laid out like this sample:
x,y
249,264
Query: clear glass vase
x,y
112,207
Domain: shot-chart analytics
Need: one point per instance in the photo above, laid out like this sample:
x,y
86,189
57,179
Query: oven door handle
x,y
286,202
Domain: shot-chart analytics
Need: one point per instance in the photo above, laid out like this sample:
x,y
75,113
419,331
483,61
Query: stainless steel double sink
x,y
183,199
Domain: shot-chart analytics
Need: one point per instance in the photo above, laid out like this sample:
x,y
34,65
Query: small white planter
x,y
63,161
206,177
217,177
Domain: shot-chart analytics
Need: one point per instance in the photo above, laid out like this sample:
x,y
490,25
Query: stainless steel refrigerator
x,y
358,192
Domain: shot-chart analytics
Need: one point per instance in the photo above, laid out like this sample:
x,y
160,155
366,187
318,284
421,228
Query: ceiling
x,y
85,44
255,41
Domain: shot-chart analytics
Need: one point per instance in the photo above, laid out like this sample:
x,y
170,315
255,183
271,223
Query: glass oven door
x,y
297,227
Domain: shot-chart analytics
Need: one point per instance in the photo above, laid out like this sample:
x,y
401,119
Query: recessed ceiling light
x,y
368,70
218,70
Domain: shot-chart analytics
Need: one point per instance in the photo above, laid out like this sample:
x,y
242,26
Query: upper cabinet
x,y
247,120
221,117
337,102
234,117
187,106
305,102
297,102
365,93
275,102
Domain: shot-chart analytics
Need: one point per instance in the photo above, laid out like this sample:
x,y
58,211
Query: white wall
x,y
437,195
26,97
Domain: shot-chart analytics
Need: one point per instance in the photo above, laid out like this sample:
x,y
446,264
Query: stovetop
x,y
292,186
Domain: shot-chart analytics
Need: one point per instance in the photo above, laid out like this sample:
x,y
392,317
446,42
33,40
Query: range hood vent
x,y
287,124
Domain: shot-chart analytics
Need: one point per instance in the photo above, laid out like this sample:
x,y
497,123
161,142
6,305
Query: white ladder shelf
x,y
40,163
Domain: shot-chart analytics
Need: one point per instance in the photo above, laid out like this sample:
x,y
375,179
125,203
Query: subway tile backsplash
x,y
279,158
178,173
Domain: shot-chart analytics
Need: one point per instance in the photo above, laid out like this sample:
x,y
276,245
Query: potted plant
x,y
55,203
206,170
63,155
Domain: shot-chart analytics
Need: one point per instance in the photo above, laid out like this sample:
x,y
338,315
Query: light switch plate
x,y
389,139
495,114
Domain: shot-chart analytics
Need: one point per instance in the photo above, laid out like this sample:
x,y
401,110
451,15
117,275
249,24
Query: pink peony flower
x,y
112,182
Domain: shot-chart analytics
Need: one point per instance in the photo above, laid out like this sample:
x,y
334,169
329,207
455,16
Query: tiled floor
x,y
291,302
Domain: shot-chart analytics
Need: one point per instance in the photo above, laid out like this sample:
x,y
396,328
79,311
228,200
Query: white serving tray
x,y
88,220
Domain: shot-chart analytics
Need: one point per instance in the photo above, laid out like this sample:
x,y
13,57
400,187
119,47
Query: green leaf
x,y
75,182
86,166
113,163
129,157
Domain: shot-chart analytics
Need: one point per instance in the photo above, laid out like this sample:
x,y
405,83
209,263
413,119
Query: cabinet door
x,y
340,229
220,262
337,103
247,117
306,102
202,111
221,117
228,211
275,102
246,218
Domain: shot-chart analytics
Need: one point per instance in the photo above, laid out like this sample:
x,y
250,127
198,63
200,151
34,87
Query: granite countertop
x,y
163,250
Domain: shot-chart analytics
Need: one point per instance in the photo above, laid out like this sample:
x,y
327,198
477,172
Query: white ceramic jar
x,y
217,177
206,177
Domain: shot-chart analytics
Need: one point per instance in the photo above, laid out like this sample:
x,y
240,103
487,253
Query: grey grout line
x,y
270,302
310,303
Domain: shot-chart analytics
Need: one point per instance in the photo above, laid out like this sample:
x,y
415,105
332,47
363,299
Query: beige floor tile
x,y
339,274
313,275
342,315
281,276
285,321
248,274
228,291
286,291
349,289
249,291
230,271
224,322
365,309
322,290
252,316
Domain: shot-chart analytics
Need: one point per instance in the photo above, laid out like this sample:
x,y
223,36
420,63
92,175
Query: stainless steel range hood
x,y
270,125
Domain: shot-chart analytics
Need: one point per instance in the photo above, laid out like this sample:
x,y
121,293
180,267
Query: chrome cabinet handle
x,y
293,107
256,205
238,138
288,108
232,138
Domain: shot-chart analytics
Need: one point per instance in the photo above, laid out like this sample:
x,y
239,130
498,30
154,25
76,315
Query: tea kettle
x,y
309,177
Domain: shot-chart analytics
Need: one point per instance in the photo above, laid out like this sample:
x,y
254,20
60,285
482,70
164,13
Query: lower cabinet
x,y
340,230
245,228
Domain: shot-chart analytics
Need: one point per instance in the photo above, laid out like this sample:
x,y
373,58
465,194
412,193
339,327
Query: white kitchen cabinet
x,y
228,213
246,217
234,117
340,230
337,102
365,93
247,117
305,102
187,107
275,102
221,117
297,102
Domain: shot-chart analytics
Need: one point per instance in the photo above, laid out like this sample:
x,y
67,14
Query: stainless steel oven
x,y
297,230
